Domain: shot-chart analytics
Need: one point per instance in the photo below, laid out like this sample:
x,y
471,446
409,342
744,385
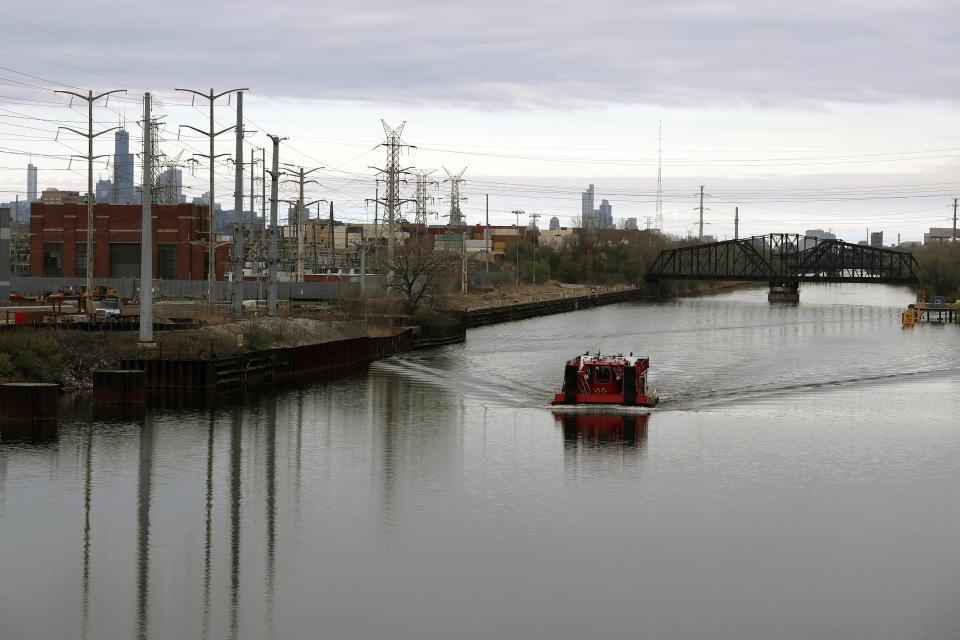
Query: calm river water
x,y
800,479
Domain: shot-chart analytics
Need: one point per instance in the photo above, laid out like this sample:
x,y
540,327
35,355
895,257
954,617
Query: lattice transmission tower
x,y
393,178
455,217
421,199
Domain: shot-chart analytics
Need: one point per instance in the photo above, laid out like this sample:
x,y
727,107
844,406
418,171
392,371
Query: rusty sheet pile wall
x,y
311,362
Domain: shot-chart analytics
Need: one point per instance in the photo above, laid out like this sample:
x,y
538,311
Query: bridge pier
x,y
784,292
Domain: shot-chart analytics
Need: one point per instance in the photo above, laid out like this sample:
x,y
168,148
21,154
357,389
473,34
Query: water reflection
x,y
235,489
144,490
584,430
87,501
208,534
599,440
28,432
271,416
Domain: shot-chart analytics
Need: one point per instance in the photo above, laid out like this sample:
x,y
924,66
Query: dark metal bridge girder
x,y
785,258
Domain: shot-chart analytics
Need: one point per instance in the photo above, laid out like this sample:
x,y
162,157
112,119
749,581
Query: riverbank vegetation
x,y
583,259
940,269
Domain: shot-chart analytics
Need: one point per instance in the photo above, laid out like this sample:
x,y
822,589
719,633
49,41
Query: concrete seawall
x,y
477,317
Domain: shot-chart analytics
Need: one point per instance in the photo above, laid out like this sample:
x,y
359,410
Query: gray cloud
x,y
500,54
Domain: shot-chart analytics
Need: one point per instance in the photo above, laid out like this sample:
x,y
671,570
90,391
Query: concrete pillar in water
x,y
784,292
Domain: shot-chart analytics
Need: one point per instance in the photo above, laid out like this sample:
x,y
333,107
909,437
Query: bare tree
x,y
415,270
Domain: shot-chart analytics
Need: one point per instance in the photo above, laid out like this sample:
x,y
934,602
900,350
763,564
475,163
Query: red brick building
x,y
58,241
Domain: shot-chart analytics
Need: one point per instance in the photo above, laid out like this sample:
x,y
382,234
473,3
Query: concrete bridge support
x,y
784,292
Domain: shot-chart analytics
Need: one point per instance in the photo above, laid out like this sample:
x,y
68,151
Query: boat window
x,y
603,374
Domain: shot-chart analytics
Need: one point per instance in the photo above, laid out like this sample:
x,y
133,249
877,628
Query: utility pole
x,y
15,263
332,253
272,253
253,206
376,204
701,213
90,135
253,216
316,248
518,213
301,178
534,217
391,203
363,263
953,237
146,234
736,223
236,311
463,256
212,134
263,189
486,236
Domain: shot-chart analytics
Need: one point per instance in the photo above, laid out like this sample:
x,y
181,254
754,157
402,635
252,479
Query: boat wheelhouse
x,y
596,379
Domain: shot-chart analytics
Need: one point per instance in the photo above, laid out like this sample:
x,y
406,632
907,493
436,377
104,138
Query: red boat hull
x,y
607,398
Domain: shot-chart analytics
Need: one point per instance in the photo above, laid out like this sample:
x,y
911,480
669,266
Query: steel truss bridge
x,y
785,258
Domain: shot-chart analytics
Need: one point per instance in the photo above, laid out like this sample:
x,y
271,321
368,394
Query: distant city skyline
x,y
853,134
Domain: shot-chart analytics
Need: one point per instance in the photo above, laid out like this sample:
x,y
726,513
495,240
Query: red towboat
x,y
606,380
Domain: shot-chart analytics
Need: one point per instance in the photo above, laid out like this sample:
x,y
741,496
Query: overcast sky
x,y
812,114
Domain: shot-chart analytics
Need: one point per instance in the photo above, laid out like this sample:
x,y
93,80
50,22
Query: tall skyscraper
x,y
123,169
104,191
31,183
587,217
605,219
170,186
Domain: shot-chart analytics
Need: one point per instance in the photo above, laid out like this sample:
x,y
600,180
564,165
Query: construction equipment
x,y
914,312
101,292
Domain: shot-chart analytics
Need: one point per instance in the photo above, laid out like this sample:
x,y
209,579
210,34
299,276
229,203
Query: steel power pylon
x,y
421,199
455,216
455,219
90,135
391,200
